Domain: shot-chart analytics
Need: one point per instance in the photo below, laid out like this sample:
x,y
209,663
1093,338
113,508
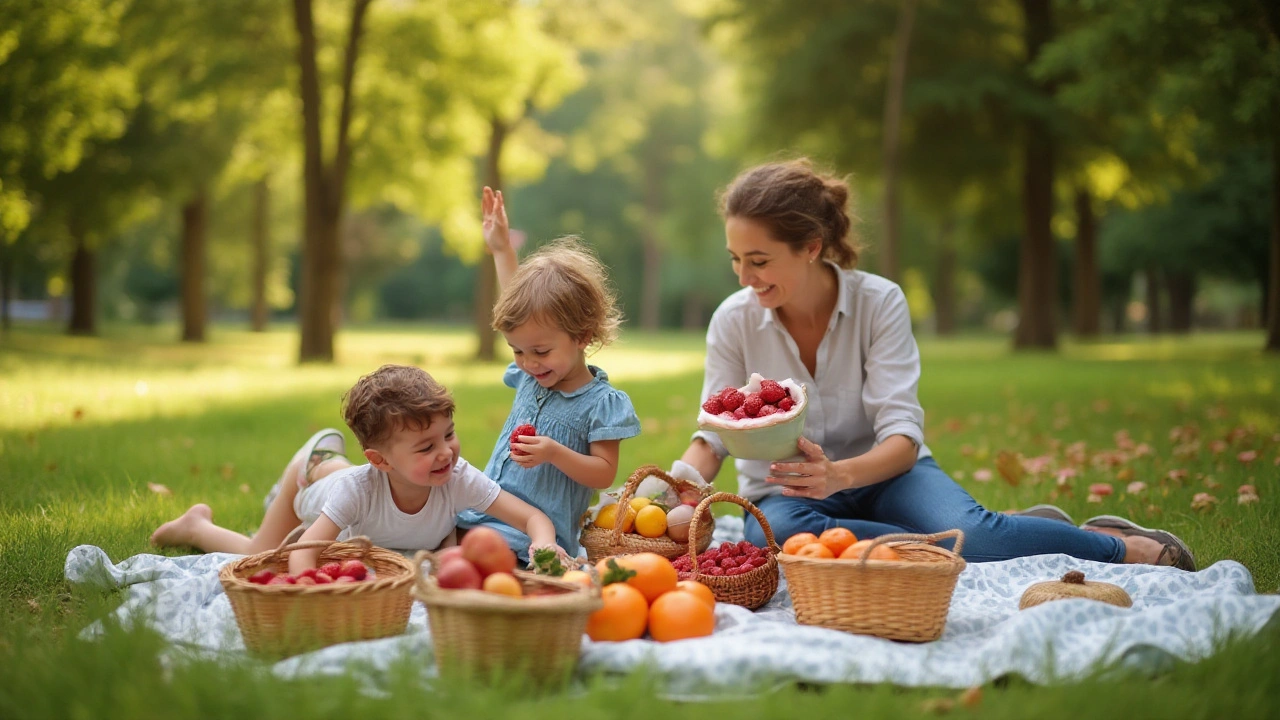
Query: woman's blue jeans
x,y
926,500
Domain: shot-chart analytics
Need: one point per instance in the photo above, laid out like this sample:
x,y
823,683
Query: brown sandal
x,y
1175,553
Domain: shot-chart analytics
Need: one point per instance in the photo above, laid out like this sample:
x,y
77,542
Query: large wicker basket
x,y
283,620
485,635
601,542
753,588
905,599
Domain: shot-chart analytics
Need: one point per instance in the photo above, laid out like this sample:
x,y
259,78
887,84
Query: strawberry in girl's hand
x,y
525,429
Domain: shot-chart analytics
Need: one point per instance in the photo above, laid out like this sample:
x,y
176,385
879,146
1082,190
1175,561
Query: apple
x,y
449,552
486,549
459,574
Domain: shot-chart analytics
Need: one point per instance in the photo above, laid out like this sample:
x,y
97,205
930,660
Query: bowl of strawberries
x,y
761,420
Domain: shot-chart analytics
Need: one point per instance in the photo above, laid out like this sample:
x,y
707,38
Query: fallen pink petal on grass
x,y
982,475
159,489
1247,456
1135,487
1101,489
1203,501
1093,498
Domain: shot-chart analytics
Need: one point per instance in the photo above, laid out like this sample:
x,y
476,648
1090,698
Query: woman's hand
x,y
497,235
815,478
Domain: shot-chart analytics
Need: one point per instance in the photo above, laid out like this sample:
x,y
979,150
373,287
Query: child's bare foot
x,y
180,531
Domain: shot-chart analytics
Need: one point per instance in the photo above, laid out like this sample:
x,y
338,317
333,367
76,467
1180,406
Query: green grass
x,y
86,424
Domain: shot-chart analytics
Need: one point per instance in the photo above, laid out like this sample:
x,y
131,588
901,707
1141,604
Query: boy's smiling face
x,y
419,457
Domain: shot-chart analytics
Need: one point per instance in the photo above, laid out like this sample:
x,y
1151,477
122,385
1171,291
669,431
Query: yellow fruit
x,y
608,517
503,584
640,503
577,576
651,522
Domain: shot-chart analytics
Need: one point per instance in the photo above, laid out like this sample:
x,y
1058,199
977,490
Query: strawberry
x,y
751,406
344,579
731,398
713,405
353,569
785,404
332,569
308,573
771,391
281,580
525,429
767,410
323,578
261,578
305,580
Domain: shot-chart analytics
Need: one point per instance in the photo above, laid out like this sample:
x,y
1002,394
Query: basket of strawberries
x,y
640,524
895,586
737,573
356,592
488,619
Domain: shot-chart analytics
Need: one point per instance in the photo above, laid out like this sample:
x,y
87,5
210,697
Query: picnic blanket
x,y
1175,615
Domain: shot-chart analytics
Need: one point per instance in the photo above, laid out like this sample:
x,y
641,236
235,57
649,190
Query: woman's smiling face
x,y
769,267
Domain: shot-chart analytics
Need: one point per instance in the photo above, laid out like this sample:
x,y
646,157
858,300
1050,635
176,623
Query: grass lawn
x,y
91,428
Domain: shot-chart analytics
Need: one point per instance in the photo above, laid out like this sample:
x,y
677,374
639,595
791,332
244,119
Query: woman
x,y
805,313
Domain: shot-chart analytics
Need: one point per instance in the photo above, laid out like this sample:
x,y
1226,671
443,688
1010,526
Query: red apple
x,y
486,549
458,573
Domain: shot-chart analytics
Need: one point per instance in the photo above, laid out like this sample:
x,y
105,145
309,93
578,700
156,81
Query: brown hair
x,y
391,398
797,205
563,284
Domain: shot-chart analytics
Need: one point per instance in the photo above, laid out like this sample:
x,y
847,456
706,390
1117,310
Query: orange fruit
x,y
654,576
698,589
503,584
577,576
837,538
797,541
815,550
608,518
680,615
623,616
880,552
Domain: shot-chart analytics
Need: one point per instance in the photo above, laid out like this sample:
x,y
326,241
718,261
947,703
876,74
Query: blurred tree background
x,y
1024,166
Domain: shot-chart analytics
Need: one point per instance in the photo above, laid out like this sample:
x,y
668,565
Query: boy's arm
x,y
322,529
526,518
497,235
597,470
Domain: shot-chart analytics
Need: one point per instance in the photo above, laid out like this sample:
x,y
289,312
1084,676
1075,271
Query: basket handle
x,y
737,500
930,539
633,482
287,547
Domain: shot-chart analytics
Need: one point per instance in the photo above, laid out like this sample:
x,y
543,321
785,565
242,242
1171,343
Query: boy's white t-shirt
x,y
358,500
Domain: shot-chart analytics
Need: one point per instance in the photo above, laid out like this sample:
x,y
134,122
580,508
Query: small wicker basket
x,y
905,599
284,620
753,588
486,635
601,543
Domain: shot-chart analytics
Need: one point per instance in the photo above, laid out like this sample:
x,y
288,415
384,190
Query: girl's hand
x,y
497,235
815,478
565,562
537,449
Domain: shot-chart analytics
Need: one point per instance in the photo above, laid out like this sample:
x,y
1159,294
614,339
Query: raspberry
x,y
767,410
739,414
729,563
525,429
786,404
771,392
715,571
746,547
726,415
713,405
751,406
731,398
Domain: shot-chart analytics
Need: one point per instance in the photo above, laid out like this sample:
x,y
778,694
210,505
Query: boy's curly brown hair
x,y
392,398
565,285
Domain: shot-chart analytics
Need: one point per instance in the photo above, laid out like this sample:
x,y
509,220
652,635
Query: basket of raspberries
x,y
739,573
761,420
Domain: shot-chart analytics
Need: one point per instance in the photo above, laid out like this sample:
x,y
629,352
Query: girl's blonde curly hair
x,y
562,284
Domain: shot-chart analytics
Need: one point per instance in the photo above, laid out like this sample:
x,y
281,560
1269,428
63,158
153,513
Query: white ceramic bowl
x,y
771,438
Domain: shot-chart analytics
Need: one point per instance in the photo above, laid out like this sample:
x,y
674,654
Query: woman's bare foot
x,y
181,531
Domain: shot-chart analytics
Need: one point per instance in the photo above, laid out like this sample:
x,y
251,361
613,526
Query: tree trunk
x,y
692,316
651,243
1182,295
324,187
944,291
195,223
1155,314
1037,281
83,286
1087,303
891,152
8,258
260,236
487,274
1118,311
1272,318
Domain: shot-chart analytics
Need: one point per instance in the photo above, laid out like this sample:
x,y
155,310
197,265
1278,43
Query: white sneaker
x,y
319,447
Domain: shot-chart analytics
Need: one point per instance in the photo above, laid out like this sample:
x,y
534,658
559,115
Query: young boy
x,y
405,498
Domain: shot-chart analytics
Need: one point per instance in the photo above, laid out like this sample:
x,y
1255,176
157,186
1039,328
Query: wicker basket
x,y
753,588
601,543
486,635
283,620
904,599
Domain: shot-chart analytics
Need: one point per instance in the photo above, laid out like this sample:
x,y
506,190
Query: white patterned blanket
x,y
1175,614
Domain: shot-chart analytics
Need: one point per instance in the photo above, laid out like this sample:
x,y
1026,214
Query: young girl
x,y
406,498
553,309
